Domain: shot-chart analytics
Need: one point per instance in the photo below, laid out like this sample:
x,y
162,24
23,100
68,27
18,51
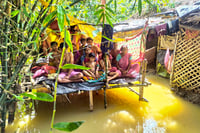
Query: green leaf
x,y
133,7
74,66
49,17
18,18
99,19
98,11
107,18
148,2
115,2
100,6
109,15
38,96
44,97
25,12
103,19
14,13
67,18
107,38
140,6
110,10
68,126
109,2
18,97
158,8
60,14
68,39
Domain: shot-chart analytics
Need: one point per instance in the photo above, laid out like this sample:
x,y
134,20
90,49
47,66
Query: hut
x,y
186,63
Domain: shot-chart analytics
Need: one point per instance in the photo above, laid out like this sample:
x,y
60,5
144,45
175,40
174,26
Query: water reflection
x,y
165,113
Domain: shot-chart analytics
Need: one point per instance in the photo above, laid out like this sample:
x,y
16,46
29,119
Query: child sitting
x,y
112,71
93,72
54,61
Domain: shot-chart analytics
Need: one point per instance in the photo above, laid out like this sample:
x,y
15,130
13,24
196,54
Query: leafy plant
x,y
68,126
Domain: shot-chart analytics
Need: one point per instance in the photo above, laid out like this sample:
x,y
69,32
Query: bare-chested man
x,y
69,75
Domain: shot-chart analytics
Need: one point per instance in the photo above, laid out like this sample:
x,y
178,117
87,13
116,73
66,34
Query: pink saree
x,y
134,68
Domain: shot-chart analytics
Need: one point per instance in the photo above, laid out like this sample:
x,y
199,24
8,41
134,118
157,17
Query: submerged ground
x,y
164,113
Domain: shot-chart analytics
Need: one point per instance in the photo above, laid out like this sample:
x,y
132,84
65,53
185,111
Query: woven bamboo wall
x,y
186,67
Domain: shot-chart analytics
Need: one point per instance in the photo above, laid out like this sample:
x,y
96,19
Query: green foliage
x,y
18,97
74,66
14,13
50,17
107,38
60,14
38,96
68,39
105,14
68,126
140,6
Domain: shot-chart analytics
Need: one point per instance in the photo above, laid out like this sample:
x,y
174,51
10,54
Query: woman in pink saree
x,y
124,64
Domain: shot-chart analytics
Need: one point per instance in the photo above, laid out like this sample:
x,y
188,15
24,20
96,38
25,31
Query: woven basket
x,y
150,55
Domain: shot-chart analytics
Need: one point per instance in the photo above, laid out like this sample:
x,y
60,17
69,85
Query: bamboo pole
x,y
56,84
173,62
91,100
103,2
142,80
5,69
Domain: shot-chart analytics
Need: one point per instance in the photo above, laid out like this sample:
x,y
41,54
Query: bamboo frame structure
x,y
186,64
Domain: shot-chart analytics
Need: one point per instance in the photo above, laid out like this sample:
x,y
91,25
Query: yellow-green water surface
x,y
164,113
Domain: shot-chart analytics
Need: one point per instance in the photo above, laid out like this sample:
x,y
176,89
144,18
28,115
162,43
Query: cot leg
x,y
142,80
105,100
91,100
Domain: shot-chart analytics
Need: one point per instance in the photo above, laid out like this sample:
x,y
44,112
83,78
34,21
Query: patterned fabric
x,y
136,45
106,44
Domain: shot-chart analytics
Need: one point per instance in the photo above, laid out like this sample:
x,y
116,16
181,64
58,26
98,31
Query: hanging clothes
x,y
161,29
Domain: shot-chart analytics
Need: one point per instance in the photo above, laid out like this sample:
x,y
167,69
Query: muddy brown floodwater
x,y
164,113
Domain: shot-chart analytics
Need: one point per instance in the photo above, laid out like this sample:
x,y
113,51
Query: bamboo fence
x,y
186,66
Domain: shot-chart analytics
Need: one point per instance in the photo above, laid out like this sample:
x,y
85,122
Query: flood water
x,y
164,113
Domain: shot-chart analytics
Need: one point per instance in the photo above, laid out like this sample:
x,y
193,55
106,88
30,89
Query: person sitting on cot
x,y
85,56
93,72
124,64
114,52
68,75
80,52
54,61
112,71
95,49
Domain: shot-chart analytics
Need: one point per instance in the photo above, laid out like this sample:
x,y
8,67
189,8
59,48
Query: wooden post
x,y
103,2
142,79
91,100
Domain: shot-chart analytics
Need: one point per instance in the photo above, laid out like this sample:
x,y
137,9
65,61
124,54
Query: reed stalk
x,y
56,84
